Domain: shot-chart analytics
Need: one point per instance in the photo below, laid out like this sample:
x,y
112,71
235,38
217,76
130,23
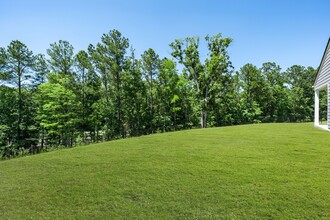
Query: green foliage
x,y
87,90
205,76
300,82
61,57
56,114
16,65
275,106
323,105
41,70
106,92
150,65
135,93
110,61
252,85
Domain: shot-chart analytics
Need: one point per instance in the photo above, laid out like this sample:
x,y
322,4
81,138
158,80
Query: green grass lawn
x,y
272,171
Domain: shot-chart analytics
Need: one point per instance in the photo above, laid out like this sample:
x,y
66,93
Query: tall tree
x,y
275,105
87,92
204,75
16,66
41,70
168,95
110,57
225,106
150,68
103,109
62,61
252,84
8,109
300,81
83,65
189,108
134,95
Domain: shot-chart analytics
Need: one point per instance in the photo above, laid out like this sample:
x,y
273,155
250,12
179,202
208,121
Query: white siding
x,y
323,76
328,121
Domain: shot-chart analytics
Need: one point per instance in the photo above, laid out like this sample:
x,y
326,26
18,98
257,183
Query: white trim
x,y
323,127
316,108
321,87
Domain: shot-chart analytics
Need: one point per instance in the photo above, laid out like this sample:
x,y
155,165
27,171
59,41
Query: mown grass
x,y
272,171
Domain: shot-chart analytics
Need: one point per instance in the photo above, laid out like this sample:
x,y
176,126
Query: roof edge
x,y
319,67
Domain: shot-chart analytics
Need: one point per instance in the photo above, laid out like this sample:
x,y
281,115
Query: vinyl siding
x,y
328,121
323,76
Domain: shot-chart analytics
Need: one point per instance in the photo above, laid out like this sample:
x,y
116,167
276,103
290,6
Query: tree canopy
x,y
106,92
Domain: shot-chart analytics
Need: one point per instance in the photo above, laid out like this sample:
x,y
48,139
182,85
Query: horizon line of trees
x,y
106,92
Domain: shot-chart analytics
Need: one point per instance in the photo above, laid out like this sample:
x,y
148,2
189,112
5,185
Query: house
x,y
322,82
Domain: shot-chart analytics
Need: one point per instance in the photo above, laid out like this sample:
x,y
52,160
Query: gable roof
x,y
323,74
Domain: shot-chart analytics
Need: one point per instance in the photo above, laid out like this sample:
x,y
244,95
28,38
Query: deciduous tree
x,y
204,75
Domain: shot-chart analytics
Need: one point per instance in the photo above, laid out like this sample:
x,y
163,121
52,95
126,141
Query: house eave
x,y
321,63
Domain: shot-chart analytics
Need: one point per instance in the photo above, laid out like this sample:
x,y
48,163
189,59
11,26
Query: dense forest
x,y
105,92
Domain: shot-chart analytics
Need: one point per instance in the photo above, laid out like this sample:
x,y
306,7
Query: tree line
x,y
105,92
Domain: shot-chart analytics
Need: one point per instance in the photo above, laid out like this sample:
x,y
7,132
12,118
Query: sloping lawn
x,y
269,171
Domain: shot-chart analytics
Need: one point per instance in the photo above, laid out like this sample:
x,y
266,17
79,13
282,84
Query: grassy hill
x,y
252,171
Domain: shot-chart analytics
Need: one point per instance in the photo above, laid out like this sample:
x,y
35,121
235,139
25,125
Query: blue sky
x,y
287,32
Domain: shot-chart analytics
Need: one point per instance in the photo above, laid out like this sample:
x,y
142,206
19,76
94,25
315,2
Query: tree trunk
x,y
42,138
151,105
203,119
19,107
